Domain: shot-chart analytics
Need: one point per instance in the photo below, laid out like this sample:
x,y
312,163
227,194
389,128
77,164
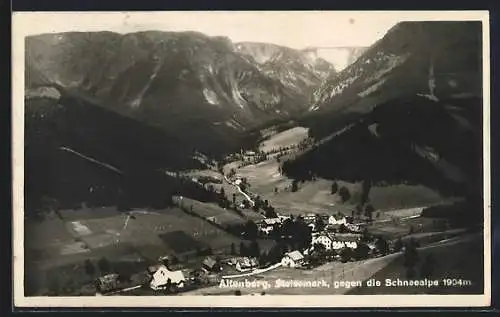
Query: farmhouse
x,y
271,221
323,239
293,259
163,275
283,218
336,242
107,283
209,264
245,264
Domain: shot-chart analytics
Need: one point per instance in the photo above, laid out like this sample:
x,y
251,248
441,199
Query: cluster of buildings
x,y
336,241
267,225
333,223
244,264
165,277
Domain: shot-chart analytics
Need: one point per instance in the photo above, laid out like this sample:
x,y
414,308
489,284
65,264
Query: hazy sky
x,y
296,29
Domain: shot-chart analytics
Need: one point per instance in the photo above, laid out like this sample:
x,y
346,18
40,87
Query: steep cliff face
x,y
297,70
438,59
177,80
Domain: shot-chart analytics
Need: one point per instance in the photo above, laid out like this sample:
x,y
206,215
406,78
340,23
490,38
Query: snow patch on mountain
x,y
210,96
373,88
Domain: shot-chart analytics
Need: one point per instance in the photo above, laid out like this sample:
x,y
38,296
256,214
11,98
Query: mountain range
x,y
175,81
408,109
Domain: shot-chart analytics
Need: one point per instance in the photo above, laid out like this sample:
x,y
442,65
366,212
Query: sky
x,y
295,29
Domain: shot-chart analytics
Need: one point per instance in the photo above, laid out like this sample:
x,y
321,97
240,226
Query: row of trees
x,y
251,250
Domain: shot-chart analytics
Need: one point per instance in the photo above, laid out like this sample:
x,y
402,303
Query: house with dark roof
x,y
244,264
210,264
107,283
293,259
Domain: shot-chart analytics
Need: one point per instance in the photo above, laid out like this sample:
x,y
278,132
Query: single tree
x,y
233,249
335,188
254,249
104,265
382,246
398,245
295,185
410,257
89,267
346,254
251,230
362,251
319,223
369,211
344,193
243,249
271,213
168,286
427,267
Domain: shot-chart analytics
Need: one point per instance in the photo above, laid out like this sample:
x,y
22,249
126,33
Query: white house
x,y
266,229
163,274
271,221
283,218
292,259
310,217
312,226
337,220
334,242
323,239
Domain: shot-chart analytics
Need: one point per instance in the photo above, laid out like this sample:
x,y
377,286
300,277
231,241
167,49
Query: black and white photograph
x,y
197,158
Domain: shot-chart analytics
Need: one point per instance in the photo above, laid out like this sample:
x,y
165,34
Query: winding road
x,y
240,191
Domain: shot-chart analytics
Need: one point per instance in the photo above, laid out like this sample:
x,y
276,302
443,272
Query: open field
x,y
463,260
314,196
206,210
284,139
54,242
404,196
138,236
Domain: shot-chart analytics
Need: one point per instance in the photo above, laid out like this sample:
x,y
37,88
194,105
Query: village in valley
x,y
243,235
177,163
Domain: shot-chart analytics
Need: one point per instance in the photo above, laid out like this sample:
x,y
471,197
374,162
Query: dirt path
x,y
240,191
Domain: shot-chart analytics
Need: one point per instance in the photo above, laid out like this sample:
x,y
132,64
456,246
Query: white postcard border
x,y
19,22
